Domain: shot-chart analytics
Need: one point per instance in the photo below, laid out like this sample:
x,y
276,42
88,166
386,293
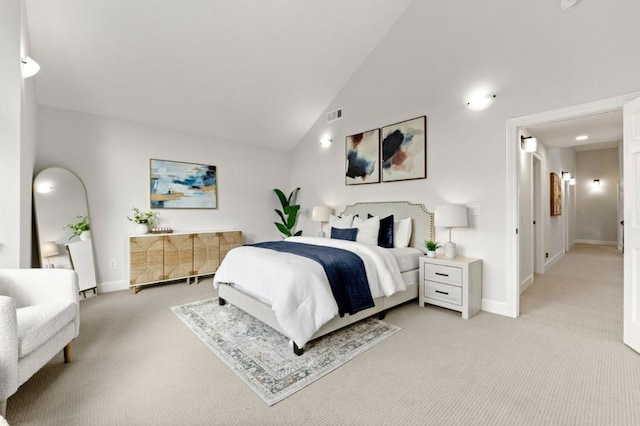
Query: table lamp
x,y
451,216
49,249
321,214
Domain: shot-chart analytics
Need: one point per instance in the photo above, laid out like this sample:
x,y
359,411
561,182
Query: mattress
x,y
407,258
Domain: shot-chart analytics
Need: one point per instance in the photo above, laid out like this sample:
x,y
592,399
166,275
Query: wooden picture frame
x,y
362,158
179,185
556,194
404,150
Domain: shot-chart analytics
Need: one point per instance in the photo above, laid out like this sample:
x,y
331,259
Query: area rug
x,y
262,357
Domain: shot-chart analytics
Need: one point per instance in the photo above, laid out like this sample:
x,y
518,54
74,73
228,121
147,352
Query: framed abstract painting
x,y
178,185
404,150
363,158
556,194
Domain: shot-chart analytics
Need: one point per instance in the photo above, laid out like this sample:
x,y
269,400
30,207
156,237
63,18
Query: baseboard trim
x,y
598,242
553,260
495,307
112,286
526,283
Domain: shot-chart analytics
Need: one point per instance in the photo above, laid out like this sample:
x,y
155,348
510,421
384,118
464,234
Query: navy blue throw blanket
x,y
344,269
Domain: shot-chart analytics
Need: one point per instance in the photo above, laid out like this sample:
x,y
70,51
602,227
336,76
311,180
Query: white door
x,y
632,224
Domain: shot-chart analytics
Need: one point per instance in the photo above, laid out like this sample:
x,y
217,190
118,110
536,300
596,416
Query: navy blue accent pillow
x,y
348,234
385,234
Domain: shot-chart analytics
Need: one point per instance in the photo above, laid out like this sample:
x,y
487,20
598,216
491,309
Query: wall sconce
x,y
480,102
528,143
326,142
596,182
29,67
566,175
572,181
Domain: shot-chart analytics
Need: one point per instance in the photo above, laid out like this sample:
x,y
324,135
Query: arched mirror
x,y
63,225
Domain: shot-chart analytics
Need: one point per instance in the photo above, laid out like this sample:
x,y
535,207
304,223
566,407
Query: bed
x,y
236,285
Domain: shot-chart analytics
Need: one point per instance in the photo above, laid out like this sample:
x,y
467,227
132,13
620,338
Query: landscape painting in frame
x,y
404,150
178,185
363,158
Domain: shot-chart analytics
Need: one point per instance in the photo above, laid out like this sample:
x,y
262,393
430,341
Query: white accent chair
x,y
39,317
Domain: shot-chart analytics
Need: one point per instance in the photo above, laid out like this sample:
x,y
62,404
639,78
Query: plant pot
x,y
142,228
85,235
431,253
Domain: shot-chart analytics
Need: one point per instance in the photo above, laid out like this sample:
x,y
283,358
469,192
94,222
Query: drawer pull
x,y
442,292
441,274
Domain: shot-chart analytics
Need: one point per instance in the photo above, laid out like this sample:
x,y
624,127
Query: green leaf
x,y
283,229
292,213
293,196
281,197
281,215
298,233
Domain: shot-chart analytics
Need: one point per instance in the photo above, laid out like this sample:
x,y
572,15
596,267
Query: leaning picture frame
x,y
363,158
180,185
404,150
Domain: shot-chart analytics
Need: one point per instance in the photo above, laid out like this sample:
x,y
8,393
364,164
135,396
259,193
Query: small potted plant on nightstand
x,y
431,246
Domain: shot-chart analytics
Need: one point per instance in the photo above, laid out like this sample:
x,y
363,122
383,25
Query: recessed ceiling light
x,y
582,138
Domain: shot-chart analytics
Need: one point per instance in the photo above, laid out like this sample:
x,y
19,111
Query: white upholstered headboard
x,y
422,222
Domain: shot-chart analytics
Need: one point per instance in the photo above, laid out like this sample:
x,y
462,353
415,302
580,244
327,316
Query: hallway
x,y
584,289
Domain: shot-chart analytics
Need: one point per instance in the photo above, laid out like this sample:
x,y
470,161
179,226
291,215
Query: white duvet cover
x,y
297,287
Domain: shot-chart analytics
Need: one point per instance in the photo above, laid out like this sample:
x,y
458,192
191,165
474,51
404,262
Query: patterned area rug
x,y
262,357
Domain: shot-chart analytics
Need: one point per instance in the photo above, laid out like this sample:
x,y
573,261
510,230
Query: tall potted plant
x,y
288,214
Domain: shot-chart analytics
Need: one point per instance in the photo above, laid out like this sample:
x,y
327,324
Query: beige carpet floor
x,y
561,363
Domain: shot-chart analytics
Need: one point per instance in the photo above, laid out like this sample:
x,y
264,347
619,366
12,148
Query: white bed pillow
x,y
367,229
341,222
401,232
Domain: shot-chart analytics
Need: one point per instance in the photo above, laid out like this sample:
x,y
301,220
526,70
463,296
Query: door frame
x,y
513,169
538,229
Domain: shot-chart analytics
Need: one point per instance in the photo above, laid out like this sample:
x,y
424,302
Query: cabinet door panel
x,y
229,240
146,259
206,253
178,256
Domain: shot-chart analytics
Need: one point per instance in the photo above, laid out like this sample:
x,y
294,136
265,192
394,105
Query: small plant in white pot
x,y
431,246
143,220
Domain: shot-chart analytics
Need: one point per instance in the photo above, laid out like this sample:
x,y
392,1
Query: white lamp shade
x,y
321,214
49,248
451,216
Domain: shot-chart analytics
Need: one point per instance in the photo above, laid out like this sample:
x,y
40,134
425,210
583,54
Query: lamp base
x,y
321,234
450,250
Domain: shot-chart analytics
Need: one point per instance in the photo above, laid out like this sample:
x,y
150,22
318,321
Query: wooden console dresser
x,y
154,258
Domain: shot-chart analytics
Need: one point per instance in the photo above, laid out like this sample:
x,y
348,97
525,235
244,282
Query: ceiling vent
x,y
334,115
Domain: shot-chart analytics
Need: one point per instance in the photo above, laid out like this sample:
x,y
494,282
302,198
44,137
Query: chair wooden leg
x,y
3,408
67,353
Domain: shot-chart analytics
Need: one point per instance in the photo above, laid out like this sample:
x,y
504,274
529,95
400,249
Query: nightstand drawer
x,y
443,274
443,292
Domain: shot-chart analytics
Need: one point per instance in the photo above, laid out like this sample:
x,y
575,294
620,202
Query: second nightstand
x,y
453,283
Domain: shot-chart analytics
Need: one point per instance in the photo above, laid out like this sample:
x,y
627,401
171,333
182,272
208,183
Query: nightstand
x,y
453,283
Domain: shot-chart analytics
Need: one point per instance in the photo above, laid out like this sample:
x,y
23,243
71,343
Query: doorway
x,y
514,127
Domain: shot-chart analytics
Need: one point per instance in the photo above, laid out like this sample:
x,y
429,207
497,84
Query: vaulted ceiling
x,y
256,71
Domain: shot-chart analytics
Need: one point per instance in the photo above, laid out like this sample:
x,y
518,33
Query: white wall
x,y
556,227
17,139
435,55
597,218
112,159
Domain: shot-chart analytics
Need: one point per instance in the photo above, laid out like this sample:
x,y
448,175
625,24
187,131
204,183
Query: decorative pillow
x,y
344,233
385,234
367,230
402,232
341,222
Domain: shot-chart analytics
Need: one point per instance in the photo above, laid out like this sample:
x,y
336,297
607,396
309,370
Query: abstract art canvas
x,y
178,185
556,195
363,158
404,150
